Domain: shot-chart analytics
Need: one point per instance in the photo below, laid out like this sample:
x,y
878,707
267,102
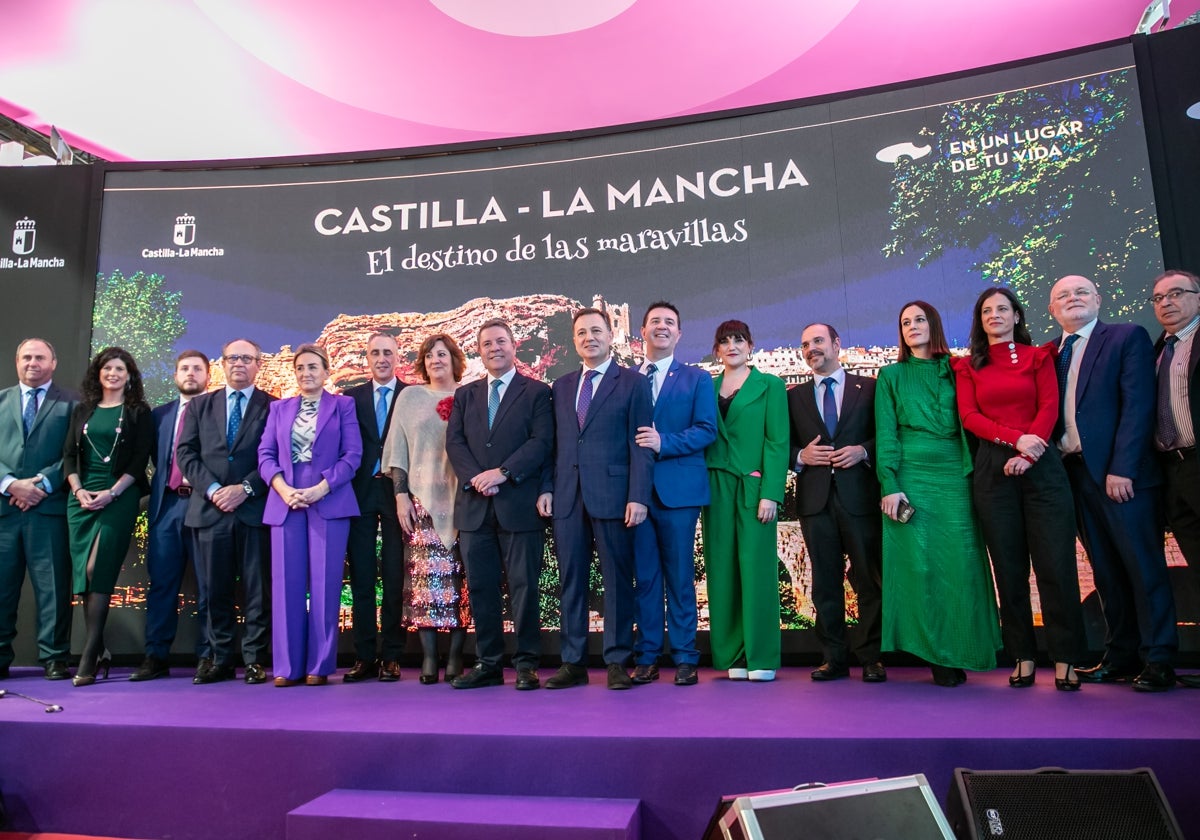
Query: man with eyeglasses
x,y
1106,435
218,454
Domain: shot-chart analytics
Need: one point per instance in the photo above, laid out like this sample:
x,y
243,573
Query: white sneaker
x,y
761,676
739,674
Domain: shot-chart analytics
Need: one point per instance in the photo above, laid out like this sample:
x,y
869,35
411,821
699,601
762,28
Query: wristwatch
x,y
504,472
248,487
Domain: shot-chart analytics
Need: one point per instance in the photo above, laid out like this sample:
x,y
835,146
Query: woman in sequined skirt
x,y
435,593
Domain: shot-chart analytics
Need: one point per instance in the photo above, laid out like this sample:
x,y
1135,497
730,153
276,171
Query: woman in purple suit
x,y
309,452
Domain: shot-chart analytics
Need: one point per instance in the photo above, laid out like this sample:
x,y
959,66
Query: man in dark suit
x,y
34,417
833,452
171,544
685,423
373,404
499,440
1106,435
600,492
218,453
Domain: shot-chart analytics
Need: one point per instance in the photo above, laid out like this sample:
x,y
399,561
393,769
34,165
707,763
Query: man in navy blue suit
x,y
170,546
1106,435
685,423
599,494
499,439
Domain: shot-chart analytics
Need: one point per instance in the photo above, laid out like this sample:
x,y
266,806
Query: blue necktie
x,y
381,418
494,401
651,370
1168,434
235,420
829,405
585,398
1063,366
31,409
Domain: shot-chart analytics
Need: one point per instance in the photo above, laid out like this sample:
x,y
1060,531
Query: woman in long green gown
x,y
938,598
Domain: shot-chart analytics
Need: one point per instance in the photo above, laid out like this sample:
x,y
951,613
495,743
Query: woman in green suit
x,y
747,469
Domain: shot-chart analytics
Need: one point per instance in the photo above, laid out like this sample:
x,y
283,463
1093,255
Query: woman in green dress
x,y
107,448
939,601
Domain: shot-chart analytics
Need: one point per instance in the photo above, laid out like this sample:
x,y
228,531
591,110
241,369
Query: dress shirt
x,y
25,389
1180,410
661,368
507,379
838,376
229,392
1070,443
600,369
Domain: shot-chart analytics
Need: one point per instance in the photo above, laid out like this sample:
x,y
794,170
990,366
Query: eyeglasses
x,y
244,358
1174,296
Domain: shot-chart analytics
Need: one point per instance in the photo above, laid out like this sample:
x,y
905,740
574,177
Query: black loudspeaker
x,y
1059,804
889,809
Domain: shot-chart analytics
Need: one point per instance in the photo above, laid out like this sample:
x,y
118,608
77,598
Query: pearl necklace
x,y
116,437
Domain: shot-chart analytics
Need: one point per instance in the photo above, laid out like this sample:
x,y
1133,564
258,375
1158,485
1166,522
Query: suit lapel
x,y
750,391
48,400
325,411
15,402
511,394
852,390
607,385
1091,352
668,387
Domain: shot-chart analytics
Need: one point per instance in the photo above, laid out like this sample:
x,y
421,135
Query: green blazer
x,y
754,436
42,452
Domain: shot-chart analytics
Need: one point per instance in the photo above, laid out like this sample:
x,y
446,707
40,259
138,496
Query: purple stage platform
x,y
169,759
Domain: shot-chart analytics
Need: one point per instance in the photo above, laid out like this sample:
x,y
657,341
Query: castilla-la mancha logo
x,y
24,235
185,229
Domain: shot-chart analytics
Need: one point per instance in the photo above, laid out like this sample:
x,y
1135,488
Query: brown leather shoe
x,y
644,674
362,671
316,679
389,671
284,682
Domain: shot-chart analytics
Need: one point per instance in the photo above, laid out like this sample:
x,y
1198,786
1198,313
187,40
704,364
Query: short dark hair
x,y
193,354
937,334
833,333
257,348
731,329
979,339
24,341
458,361
1175,272
494,322
315,350
91,391
662,304
591,310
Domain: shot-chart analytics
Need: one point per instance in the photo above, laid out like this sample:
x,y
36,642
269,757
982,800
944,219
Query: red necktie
x,y
175,478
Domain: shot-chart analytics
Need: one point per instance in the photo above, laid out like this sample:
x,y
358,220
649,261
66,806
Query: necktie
x,y
235,420
1167,433
494,401
1063,366
31,409
585,398
651,370
381,418
829,405
175,477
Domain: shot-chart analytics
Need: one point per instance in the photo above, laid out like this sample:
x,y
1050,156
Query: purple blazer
x,y
337,450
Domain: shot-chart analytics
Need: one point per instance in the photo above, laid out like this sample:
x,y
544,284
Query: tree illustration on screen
x,y
1034,184
137,313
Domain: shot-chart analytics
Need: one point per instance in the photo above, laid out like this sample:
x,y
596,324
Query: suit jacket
x,y
521,440
165,417
372,442
133,447
1115,404
752,437
205,458
858,487
601,462
42,452
685,415
336,452
1193,376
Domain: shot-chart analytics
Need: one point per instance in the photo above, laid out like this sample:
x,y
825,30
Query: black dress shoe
x,y
618,677
874,673
361,671
215,673
1106,672
151,669
1156,676
527,679
687,674
481,676
255,674
568,676
202,668
644,674
828,671
1186,680
390,671
57,670
947,677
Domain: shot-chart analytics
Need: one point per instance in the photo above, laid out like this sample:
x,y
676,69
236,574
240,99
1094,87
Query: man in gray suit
x,y
34,416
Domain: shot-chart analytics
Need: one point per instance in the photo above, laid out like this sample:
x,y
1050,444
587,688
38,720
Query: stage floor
x,y
169,759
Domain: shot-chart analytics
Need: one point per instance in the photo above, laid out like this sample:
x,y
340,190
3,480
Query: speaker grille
x,y
1070,806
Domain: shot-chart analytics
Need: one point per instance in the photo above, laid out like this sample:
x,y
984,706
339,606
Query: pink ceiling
x,y
208,79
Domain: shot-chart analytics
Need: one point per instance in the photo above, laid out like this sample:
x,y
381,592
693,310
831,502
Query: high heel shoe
x,y
1020,679
103,664
429,672
1066,683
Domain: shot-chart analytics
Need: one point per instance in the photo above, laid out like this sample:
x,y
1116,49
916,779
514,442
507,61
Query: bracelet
x,y
113,494
75,492
1026,458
